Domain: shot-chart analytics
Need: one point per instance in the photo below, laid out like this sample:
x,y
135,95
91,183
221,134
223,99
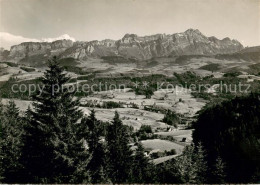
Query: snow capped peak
x,y
7,40
62,37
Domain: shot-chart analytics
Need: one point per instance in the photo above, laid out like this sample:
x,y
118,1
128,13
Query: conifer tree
x,y
91,130
185,165
119,152
200,164
219,171
53,151
11,132
191,165
27,114
140,166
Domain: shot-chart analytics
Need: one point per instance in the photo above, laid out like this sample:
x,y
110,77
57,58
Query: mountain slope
x,y
190,42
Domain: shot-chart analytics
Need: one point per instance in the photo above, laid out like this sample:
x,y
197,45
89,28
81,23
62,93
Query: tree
x,y
200,164
91,130
119,152
231,130
53,151
171,118
144,132
184,165
167,172
256,176
11,132
27,114
140,166
219,171
191,165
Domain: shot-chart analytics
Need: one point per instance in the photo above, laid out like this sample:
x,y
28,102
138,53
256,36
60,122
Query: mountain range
x,y
190,42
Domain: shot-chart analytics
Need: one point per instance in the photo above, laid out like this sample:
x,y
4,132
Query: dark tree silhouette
x,y
140,166
231,130
119,152
10,144
91,130
53,152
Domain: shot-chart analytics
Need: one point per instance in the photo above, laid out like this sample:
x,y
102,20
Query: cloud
x,y
65,36
7,40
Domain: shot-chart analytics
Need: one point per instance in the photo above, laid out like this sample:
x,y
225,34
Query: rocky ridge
x,y
190,42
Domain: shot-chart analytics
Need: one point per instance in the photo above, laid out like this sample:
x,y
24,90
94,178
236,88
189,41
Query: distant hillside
x,y
190,42
251,49
247,54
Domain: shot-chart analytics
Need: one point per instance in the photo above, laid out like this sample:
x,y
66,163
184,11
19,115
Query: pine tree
x,y
91,130
140,166
53,151
200,164
185,165
191,165
219,171
27,114
119,152
11,132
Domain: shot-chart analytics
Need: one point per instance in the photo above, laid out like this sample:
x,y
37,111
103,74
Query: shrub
x,y
171,118
112,105
11,64
171,152
27,69
232,74
145,132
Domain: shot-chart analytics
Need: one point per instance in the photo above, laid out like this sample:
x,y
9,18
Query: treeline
x,y
104,105
105,155
53,151
231,131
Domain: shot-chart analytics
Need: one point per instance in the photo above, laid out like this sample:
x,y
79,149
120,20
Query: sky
x,y
87,20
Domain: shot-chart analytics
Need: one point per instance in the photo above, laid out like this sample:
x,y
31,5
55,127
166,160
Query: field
x,y
162,145
178,134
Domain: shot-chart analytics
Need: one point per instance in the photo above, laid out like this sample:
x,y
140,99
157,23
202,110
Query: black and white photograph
x,y
129,92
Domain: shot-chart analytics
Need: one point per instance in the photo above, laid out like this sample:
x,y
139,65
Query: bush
x,y
27,69
11,64
232,74
134,106
211,67
145,132
148,92
171,152
171,118
146,129
112,105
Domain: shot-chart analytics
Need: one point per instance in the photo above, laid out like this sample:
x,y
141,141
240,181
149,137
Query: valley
x,y
156,72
